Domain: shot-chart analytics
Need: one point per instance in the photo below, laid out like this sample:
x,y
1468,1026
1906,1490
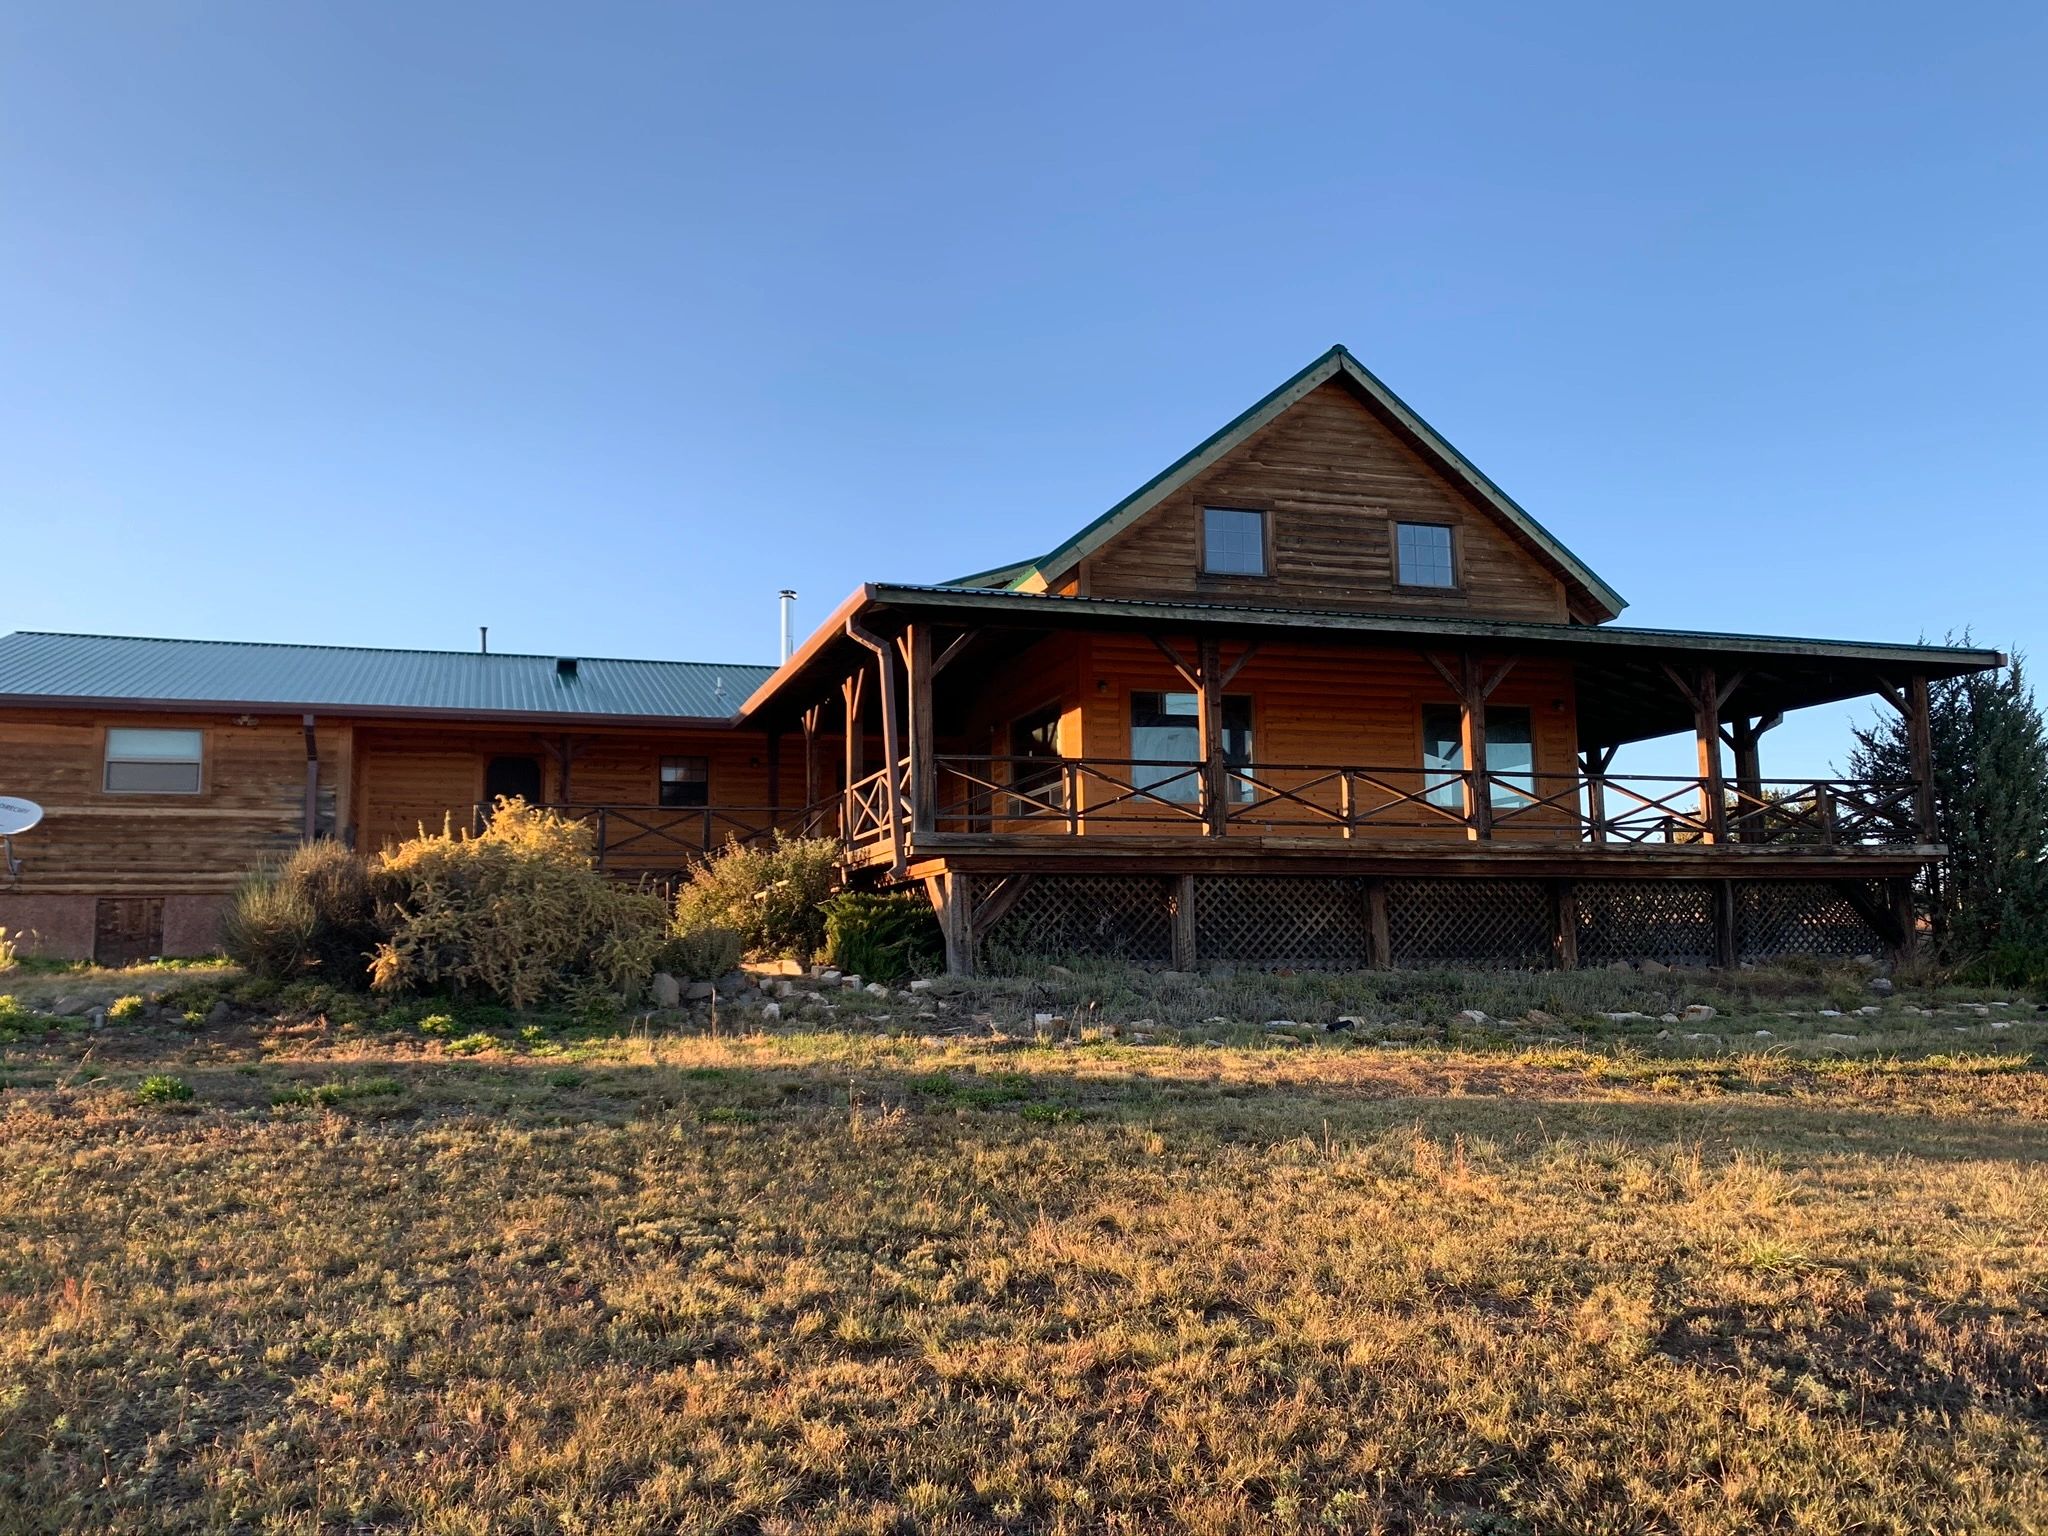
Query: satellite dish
x,y
18,815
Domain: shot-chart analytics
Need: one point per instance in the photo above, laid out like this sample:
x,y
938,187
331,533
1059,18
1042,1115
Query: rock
x,y
778,986
1280,1025
1668,1018
219,1012
1179,976
1837,1038
1538,1019
1698,1013
1831,1013
1765,1034
1058,973
771,1010
1624,1018
876,989
826,976
849,983
1343,1023
1663,1034
70,1007
2000,1024
1043,1019
1474,1016
1870,1012
1654,967
1619,965
97,1019
665,990
1882,986
698,991
922,984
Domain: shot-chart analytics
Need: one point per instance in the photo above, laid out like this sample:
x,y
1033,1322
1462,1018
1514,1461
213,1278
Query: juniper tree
x,y
1990,809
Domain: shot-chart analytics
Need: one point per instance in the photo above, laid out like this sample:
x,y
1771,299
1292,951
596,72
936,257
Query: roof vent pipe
x,y
483,639
787,599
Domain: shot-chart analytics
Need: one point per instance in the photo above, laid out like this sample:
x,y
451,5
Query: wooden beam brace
x,y
1230,673
944,659
993,907
1191,675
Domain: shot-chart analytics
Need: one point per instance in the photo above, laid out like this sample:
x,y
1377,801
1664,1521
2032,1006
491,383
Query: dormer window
x,y
1423,557
1233,542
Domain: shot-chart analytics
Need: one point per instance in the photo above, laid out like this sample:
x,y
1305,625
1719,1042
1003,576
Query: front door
x,y
511,778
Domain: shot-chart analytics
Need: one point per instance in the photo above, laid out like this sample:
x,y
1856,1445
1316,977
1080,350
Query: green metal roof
x,y
50,668
1333,364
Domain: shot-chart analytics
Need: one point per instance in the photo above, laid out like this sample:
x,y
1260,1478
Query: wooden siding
x,y
251,803
408,777
1332,480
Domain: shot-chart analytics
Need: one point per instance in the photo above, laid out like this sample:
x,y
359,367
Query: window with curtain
x,y
685,781
150,762
1166,728
1510,756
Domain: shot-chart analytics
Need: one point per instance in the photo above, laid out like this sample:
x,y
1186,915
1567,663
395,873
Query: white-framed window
x,y
1422,555
1233,542
685,781
153,762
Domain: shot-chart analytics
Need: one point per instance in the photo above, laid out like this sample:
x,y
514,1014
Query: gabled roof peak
x,y
1337,363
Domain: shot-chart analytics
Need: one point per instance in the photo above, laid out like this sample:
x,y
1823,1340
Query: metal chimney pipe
x,y
788,600
483,639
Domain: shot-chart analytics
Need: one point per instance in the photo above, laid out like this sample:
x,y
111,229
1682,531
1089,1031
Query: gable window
x,y
1510,757
1166,730
145,762
1422,556
1233,542
685,781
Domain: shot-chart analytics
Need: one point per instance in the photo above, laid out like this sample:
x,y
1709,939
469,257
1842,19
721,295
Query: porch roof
x,y
1624,692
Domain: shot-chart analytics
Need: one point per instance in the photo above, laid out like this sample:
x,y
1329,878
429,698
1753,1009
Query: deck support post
x,y
811,774
924,789
1727,947
1564,920
1378,935
1713,790
1905,938
947,891
1472,724
1742,736
1185,955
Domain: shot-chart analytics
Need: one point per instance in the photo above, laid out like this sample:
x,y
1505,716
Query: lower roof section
x,y
1625,688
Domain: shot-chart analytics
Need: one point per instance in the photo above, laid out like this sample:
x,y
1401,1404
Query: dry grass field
x,y
841,1277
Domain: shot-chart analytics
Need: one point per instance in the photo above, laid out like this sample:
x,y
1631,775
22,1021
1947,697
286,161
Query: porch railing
x,y
667,838
995,795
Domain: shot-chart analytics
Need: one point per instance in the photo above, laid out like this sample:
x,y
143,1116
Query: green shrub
x,y
702,954
771,897
162,1089
885,936
310,912
124,1008
518,913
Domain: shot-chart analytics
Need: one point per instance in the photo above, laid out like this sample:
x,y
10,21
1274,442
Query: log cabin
x,y
1317,694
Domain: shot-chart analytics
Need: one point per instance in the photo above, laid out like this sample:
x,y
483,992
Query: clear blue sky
x,y
369,323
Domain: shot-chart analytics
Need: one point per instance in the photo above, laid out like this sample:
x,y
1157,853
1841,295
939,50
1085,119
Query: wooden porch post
x,y
924,788
1706,701
1378,933
947,891
1472,726
1596,761
811,774
310,821
1727,948
1209,699
892,757
850,690
1920,750
1743,738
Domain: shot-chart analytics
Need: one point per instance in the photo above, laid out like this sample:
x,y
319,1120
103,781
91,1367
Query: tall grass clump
x,y
772,897
309,912
883,936
518,913
10,952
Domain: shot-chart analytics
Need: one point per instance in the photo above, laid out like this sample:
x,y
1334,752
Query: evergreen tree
x,y
1989,901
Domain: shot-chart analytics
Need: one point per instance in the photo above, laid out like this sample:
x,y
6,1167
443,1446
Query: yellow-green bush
x,y
771,897
702,954
518,912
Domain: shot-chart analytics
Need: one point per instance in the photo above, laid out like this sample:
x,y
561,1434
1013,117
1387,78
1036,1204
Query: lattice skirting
x,y
1307,923
1121,917
1469,922
1279,920
1667,920
1775,918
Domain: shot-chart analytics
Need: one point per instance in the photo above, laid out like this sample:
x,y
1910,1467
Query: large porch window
x,y
1166,728
1510,756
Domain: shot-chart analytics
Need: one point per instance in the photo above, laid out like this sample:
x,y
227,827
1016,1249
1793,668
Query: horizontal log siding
x,y
1333,479
252,803
1324,707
